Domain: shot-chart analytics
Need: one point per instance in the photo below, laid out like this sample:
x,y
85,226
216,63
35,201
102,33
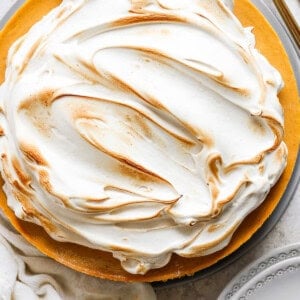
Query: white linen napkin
x,y
25,273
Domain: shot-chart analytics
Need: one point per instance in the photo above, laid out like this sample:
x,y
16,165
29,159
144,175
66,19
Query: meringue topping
x,y
143,128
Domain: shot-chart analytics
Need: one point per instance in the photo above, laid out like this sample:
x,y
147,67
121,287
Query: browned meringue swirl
x,y
143,128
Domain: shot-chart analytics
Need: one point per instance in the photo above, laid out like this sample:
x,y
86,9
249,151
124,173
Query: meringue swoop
x,y
142,128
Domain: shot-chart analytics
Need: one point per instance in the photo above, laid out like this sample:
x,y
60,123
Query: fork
x,y
291,20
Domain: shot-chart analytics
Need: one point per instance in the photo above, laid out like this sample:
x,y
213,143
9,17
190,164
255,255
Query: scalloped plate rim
x,y
246,272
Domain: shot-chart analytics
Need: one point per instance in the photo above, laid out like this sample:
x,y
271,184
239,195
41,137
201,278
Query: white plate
x,y
272,277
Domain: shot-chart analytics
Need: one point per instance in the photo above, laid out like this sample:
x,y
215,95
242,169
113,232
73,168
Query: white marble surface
x,y
286,231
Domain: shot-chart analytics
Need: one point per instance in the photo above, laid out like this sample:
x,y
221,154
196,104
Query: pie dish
x,y
102,264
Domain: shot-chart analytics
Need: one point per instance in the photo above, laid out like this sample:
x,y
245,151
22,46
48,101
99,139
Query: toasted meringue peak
x,y
143,128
